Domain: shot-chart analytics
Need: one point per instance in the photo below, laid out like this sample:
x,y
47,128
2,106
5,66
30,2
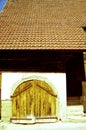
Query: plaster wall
x,y
6,110
56,80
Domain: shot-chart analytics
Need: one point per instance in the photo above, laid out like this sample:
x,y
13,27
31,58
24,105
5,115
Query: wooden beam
x,y
0,93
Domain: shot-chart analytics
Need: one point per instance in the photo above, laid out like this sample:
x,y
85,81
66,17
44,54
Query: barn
x,y
44,37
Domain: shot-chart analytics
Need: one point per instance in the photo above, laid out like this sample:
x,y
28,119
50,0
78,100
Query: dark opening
x,y
75,75
84,28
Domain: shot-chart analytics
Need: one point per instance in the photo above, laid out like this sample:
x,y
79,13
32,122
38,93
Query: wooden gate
x,y
34,97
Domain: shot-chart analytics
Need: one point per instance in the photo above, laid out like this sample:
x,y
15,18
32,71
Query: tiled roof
x,y
43,24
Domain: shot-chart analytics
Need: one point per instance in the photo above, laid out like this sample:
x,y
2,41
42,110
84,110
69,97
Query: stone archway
x,y
33,97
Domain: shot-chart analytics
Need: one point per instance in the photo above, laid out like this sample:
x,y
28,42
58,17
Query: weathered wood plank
x,y
34,98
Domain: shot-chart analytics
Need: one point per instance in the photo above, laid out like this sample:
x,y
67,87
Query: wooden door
x,y
34,97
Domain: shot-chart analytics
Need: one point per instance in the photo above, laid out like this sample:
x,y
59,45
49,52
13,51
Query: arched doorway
x,y
33,97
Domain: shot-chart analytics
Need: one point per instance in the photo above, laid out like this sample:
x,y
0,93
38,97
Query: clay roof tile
x,y
43,24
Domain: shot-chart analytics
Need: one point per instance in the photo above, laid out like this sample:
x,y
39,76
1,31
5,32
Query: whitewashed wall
x,y
56,80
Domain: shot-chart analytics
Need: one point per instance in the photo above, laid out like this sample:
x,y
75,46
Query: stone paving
x,y
57,126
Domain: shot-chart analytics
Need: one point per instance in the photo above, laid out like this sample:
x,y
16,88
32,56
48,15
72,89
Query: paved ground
x,y
52,126
75,120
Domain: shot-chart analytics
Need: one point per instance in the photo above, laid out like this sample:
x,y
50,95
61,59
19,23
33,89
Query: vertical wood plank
x,y
14,114
28,103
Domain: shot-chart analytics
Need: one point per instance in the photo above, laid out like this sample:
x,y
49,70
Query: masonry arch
x,y
34,97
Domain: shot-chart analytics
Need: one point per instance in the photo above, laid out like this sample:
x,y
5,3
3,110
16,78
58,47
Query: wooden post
x,y
84,85
0,93
84,95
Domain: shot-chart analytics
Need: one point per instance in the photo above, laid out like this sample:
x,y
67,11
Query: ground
x,y
76,119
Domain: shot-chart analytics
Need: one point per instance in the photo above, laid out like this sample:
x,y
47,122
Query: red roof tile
x,y
43,24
